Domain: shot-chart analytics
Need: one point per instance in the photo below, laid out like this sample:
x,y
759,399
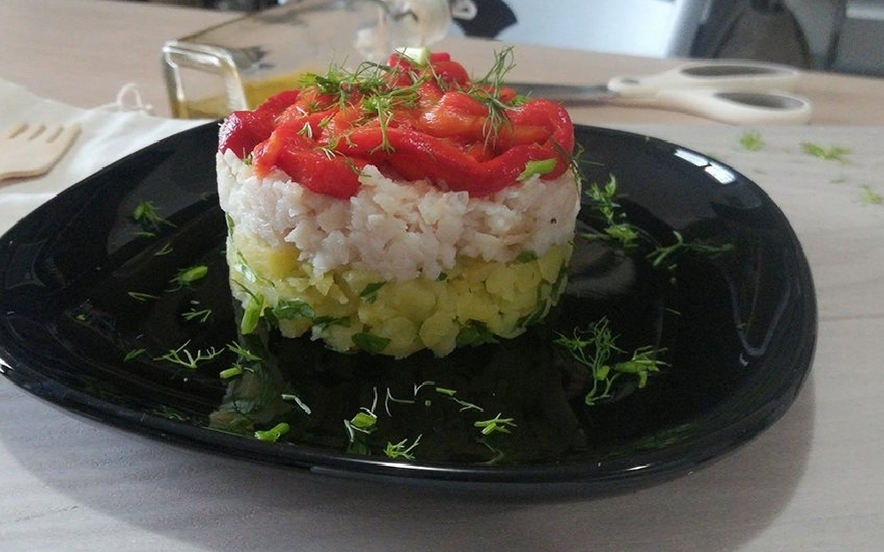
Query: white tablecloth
x,y
812,482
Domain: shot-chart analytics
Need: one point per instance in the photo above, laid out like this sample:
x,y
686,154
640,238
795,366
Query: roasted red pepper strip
x,y
416,156
443,132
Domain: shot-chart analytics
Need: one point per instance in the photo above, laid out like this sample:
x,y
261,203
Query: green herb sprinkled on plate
x,y
595,348
186,358
273,434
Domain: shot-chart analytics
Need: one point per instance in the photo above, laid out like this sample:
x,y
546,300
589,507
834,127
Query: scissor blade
x,y
564,93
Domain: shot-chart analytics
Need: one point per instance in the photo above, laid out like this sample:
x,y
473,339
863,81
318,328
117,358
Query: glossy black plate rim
x,y
727,433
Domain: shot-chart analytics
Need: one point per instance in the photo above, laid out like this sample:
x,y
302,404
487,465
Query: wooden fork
x,y
32,150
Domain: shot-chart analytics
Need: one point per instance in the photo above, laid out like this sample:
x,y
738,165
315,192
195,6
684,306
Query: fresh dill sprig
x,y
133,354
199,315
595,348
495,425
402,449
182,356
165,250
243,353
665,253
143,297
616,228
487,90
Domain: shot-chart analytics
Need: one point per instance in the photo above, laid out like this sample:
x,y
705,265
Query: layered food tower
x,y
399,207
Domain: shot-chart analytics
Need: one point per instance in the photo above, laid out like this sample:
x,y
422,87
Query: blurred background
x,y
829,35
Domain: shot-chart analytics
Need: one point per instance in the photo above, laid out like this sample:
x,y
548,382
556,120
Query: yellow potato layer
x,y
351,310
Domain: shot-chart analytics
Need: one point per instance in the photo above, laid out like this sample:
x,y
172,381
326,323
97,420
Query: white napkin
x,y
108,133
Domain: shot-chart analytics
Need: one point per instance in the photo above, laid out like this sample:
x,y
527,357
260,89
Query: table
x,y
811,482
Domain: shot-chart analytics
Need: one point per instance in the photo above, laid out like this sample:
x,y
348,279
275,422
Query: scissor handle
x,y
743,107
725,75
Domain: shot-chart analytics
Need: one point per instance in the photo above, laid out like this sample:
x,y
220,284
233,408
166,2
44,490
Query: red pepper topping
x,y
412,121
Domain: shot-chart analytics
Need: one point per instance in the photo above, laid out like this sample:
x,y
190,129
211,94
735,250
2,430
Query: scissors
x,y
734,92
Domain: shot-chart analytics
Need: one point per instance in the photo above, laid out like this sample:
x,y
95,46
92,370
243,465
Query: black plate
x,y
736,328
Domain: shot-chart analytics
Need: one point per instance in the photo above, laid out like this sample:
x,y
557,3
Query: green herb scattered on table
x,y
869,196
832,153
751,140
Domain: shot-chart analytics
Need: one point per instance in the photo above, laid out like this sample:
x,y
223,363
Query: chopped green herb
x,y
595,348
251,310
495,424
751,140
475,333
187,276
165,250
370,343
326,321
243,353
231,372
526,257
870,196
464,405
402,449
184,357
419,55
541,167
663,253
370,293
617,228
146,214
201,315
364,421
297,400
133,354
138,296
832,153
288,310
274,433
